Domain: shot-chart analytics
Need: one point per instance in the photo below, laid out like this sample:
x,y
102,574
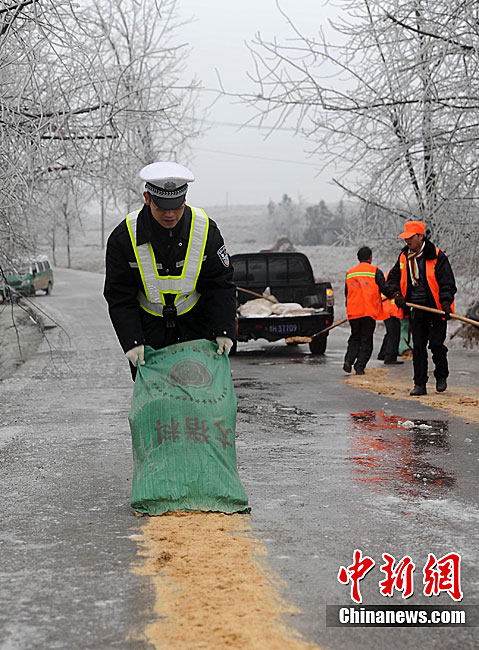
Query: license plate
x,y
283,329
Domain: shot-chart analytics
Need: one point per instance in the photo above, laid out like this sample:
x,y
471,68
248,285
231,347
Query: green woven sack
x,y
405,341
182,421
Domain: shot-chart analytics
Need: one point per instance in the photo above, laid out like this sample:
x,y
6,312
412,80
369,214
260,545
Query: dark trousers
x,y
428,329
390,344
360,343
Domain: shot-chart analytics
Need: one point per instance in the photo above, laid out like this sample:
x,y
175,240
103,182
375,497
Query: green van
x,y
29,276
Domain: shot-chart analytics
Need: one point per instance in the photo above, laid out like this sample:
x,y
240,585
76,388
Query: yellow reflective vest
x,y
182,286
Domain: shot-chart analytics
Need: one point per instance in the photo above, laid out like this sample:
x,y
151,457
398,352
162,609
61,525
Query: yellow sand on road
x,y
457,400
212,589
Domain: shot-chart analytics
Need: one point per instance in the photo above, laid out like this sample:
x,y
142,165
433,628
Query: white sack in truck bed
x,y
261,308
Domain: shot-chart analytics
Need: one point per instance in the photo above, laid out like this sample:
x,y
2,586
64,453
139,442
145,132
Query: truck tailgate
x,y
275,328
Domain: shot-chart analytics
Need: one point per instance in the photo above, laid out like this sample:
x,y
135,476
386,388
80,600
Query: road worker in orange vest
x,y
392,321
423,275
364,285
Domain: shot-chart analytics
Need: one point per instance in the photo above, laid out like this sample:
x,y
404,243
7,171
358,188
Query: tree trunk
x,y
54,249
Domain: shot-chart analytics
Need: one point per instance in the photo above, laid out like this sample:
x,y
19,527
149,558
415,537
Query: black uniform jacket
x,y
443,271
214,313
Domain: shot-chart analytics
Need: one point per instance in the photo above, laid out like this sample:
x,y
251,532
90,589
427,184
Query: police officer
x,y
168,273
364,285
423,275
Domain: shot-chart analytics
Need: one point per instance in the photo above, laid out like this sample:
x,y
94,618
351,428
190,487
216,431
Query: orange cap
x,y
413,228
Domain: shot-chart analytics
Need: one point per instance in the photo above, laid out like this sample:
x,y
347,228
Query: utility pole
x,y
102,208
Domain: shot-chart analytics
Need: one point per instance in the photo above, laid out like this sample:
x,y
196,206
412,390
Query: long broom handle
x,y
326,329
440,311
409,304
258,295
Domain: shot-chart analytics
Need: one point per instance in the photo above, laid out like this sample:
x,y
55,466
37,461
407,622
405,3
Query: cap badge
x,y
169,185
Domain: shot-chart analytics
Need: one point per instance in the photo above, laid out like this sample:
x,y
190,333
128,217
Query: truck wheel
x,y
318,345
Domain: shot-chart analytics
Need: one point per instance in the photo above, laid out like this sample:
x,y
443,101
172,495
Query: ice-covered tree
x,y
286,218
88,91
390,93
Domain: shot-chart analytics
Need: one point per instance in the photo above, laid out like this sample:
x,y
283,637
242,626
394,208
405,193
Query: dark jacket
x,y
214,313
443,272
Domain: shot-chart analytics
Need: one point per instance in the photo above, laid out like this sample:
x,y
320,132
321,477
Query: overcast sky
x,y
239,166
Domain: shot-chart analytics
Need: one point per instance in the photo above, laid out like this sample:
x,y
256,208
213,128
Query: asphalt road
x,y
328,469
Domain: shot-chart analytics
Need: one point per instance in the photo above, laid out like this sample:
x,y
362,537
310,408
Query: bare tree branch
x,y
390,98
422,32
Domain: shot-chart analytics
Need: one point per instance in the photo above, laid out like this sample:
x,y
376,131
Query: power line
x,y
243,155
251,126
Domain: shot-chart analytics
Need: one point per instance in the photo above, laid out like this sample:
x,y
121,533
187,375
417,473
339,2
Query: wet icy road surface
x,y
331,469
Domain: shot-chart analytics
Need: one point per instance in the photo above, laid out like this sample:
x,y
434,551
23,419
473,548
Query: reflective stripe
x,y
157,308
360,274
183,286
363,297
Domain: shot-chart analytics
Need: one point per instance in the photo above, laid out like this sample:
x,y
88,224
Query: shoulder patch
x,y
224,256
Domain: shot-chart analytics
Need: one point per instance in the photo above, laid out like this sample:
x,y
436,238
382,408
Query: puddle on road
x,y
390,453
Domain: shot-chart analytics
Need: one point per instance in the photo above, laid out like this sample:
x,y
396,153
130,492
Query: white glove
x,y
136,353
224,343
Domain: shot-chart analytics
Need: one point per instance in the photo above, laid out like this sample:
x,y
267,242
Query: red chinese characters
x,y
443,575
355,572
439,575
400,577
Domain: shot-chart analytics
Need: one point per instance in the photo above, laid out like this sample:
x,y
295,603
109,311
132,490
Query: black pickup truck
x,y
289,276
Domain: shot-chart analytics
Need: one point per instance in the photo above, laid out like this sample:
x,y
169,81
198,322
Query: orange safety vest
x,y
430,277
389,306
391,309
363,296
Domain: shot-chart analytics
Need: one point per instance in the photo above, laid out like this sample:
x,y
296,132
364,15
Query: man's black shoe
x,y
418,390
360,372
441,385
347,366
393,363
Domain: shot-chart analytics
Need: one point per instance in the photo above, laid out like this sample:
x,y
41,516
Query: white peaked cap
x,y
167,183
167,176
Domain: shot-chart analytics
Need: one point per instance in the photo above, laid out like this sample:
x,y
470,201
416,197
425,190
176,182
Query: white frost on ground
x,y
19,338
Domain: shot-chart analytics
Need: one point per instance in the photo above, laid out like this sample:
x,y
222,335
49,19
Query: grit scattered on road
x,y
462,401
212,589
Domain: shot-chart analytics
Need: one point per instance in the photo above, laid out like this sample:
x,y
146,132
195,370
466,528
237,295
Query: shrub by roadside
x,y
19,334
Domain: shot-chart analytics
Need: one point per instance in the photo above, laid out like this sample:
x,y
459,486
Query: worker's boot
x,y
418,390
347,366
441,385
